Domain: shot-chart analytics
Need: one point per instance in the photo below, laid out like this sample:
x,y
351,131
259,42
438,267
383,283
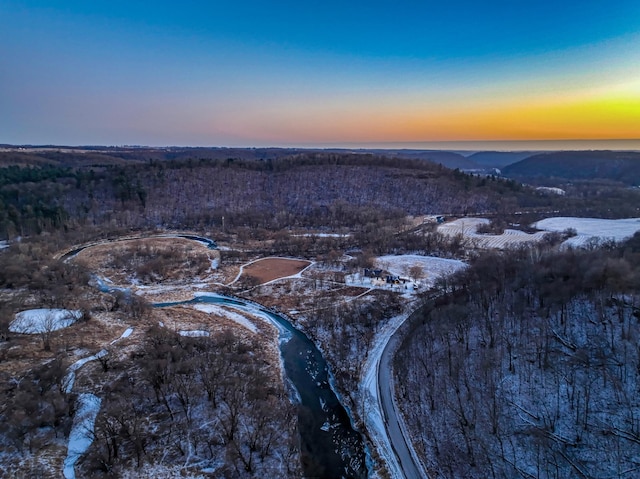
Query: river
x,y
330,446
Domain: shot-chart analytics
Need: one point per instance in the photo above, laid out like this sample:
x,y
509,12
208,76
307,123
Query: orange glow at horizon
x,y
612,113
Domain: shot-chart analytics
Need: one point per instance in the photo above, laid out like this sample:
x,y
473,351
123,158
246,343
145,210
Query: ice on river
x,y
81,435
70,378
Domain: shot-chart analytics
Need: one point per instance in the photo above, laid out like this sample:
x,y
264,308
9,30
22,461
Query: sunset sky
x,y
317,73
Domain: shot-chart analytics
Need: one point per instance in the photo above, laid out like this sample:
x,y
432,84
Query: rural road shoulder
x,y
409,467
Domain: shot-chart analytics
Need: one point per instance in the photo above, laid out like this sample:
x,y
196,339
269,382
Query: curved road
x,y
403,451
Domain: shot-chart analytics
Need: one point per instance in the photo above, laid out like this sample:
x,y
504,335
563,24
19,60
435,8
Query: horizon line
x,y
442,145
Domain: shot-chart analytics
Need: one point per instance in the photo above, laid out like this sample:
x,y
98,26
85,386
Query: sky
x,y
283,73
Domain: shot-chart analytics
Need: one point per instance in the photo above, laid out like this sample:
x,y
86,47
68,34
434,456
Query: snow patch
x,y
235,317
124,335
37,321
215,263
194,333
127,333
251,308
551,190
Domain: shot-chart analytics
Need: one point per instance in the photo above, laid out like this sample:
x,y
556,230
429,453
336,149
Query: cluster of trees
x,y
151,262
206,403
29,199
528,366
345,331
28,271
35,412
31,277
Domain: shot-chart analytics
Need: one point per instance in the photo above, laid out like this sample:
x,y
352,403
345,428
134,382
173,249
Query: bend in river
x,y
330,447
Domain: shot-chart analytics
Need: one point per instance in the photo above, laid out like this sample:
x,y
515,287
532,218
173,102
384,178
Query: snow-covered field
x,y
591,229
588,229
400,265
37,321
551,190
467,227
432,267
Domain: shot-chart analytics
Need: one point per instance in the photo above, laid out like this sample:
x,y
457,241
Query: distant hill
x,y
498,159
574,165
100,155
90,156
445,158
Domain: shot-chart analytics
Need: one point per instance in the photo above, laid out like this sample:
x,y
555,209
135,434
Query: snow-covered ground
x,y
432,267
400,265
81,435
467,227
253,309
552,190
220,311
591,229
588,229
198,333
37,321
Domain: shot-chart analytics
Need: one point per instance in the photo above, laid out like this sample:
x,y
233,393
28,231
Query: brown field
x,y
268,269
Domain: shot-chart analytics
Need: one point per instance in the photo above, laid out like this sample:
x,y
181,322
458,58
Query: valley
x,y
436,319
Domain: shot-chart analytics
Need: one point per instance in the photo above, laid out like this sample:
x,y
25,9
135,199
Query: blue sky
x,y
316,73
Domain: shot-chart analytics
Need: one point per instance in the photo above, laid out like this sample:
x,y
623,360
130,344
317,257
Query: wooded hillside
x,y
528,366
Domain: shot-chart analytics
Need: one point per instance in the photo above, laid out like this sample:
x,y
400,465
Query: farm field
x,y
269,269
587,229
590,229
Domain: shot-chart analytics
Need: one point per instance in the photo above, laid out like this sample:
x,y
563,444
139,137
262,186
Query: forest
x,y
528,366
304,190
524,364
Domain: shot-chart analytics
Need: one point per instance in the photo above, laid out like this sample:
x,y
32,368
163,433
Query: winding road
x,y
403,451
